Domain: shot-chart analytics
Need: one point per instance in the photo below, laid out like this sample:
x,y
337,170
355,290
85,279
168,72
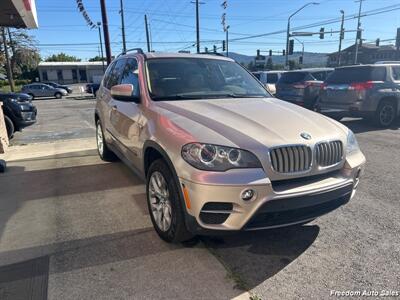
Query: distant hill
x,y
311,59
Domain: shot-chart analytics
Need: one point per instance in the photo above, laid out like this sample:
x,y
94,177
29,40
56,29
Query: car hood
x,y
252,122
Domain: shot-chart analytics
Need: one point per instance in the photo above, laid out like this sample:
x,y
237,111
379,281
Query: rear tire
x,y
10,127
104,152
386,113
58,95
165,205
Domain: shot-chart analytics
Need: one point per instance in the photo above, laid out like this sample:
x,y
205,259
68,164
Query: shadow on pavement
x,y
365,125
255,256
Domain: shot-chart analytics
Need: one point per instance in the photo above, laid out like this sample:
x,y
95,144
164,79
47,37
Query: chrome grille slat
x,y
291,159
329,153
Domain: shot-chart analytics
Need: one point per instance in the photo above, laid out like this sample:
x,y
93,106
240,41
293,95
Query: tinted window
x,y
272,78
320,76
115,74
107,74
292,77
396,73
360,74
198,78
257,75
130,74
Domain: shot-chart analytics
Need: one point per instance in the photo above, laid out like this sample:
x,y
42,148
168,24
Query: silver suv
x,y
218,153
369,91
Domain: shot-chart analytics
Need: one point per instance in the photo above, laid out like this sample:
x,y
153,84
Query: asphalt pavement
x,y
85,222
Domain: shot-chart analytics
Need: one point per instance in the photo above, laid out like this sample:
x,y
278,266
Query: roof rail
x,y
138,50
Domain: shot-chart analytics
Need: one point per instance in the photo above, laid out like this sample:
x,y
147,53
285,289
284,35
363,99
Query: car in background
x,y
369,91
19,112
37,90
60,86
92,88
269,79
302,87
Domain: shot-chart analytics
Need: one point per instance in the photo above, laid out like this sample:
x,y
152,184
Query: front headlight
x,y
210,157
352,144
14,100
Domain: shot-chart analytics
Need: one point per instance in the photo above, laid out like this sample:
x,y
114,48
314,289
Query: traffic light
x,y
322,33
215,49
223,46
258,52
377,42
359,34
291,47
284,52
270,52
301,60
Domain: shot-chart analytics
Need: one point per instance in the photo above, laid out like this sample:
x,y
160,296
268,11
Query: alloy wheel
x,y
387,114
100,142
160,204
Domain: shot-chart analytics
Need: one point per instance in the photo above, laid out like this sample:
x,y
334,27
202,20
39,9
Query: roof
x,y
18,13
151,55
69,63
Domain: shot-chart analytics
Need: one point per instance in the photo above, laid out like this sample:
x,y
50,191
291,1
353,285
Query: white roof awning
x,y
18,13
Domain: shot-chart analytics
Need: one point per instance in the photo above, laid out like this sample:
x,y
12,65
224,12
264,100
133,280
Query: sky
x,y
62,28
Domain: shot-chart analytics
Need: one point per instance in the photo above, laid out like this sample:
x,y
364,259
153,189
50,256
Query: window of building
x,y
44,76
396,73
59,75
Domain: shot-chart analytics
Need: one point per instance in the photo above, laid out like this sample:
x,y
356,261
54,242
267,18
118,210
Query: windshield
x,y
200,78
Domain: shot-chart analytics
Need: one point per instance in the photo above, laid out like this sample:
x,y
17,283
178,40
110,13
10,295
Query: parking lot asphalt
x,y
90,220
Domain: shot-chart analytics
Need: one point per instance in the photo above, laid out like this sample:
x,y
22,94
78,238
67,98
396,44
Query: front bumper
x,y
219,206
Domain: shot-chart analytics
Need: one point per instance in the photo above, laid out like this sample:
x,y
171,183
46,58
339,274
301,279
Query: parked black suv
x,y
19,112
302,86
369,91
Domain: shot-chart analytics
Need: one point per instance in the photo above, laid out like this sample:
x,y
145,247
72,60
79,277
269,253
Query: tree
x,y
97,58
24,55
62,57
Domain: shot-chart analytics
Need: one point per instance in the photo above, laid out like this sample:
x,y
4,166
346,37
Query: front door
x,y
125,116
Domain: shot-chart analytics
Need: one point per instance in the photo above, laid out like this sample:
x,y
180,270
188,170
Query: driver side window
x,y
130,75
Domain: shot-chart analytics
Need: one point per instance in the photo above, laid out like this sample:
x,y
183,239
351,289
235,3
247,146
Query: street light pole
x,y
288,29
340,39
197,27
101,45
227,41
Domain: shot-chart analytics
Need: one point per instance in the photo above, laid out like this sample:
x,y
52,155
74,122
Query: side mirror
x,y
124,92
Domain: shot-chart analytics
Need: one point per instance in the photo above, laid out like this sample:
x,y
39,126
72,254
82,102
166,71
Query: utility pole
x,y
197,27
8,63
147,33
101,46
105,30
341,38
358,37
122,26
227,41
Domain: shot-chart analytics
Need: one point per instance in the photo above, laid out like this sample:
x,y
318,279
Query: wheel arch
x,y
394,99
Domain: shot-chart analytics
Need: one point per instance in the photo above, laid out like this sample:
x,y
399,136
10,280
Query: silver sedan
x,y
43,90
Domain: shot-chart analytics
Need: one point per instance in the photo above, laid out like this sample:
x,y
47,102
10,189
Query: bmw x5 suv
x,y
218,153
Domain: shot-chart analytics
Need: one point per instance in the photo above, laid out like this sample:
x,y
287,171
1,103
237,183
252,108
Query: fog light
x,y
247,195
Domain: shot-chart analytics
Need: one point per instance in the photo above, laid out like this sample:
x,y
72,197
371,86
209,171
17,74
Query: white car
x,y
269,79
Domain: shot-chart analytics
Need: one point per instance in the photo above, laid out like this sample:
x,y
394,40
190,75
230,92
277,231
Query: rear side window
x,y
396,73
361,74
272,78
107,74
293,77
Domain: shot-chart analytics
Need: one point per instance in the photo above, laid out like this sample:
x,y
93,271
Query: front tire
x,y
104,152
58,95
386,113
10,127
165,205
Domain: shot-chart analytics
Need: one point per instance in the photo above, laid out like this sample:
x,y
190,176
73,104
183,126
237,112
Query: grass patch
x,y
7,89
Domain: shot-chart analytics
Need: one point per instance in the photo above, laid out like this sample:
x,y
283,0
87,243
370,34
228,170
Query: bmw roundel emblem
x,y
305,136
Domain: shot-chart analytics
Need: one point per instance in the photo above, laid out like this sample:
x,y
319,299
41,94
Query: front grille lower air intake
x,y
291,159
329,153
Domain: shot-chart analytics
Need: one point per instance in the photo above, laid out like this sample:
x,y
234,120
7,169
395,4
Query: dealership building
x,y
71,72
